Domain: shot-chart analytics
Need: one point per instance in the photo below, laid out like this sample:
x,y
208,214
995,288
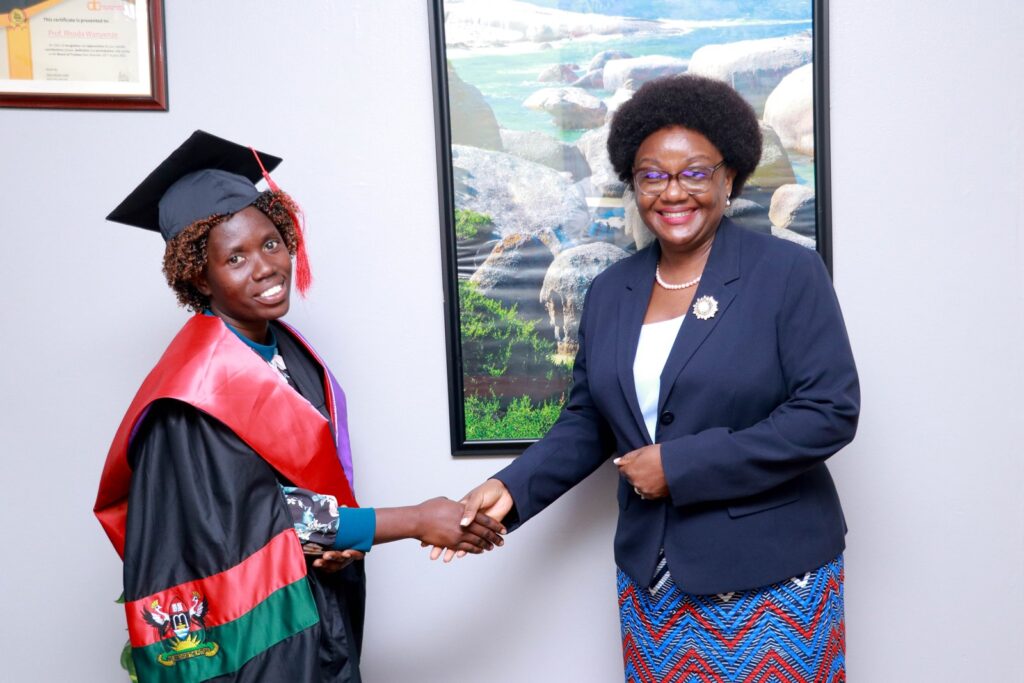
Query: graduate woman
x,y
227,489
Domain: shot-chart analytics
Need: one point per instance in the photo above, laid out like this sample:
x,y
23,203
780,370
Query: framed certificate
x,y
531,209
82,54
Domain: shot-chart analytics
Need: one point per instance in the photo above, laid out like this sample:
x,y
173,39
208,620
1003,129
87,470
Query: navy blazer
x,y
753,401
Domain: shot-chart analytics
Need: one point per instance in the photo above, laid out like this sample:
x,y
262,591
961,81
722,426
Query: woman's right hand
x,y
490,498
442,523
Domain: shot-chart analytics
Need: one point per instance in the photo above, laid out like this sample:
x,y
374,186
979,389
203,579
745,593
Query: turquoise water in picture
x,y
506,77
686,9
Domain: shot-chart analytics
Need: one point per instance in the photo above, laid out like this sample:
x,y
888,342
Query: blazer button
x,y
667,418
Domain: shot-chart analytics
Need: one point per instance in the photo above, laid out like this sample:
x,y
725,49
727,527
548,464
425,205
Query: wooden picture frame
x,y
83,54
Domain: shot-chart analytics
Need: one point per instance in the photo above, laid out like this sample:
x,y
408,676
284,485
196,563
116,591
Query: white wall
x,y
927,204
927,116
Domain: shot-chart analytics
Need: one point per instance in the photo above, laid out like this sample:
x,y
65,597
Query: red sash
x,y
210,368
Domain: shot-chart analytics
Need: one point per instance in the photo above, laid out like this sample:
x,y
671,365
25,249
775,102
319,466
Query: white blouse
x,y
656,340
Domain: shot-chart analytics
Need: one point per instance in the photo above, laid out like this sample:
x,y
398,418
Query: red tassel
x,y
266,176
303,273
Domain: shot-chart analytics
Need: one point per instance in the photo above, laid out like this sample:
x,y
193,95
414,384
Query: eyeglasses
x,y
695,180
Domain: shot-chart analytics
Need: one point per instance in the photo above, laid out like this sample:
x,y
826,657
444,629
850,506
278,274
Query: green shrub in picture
x,y
496,342
520,420
468,224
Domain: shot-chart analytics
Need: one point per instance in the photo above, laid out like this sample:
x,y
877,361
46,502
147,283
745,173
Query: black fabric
x,y
206,176
304,371
201,501
335,642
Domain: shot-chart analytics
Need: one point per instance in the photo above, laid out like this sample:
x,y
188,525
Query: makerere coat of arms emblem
x,y
182,630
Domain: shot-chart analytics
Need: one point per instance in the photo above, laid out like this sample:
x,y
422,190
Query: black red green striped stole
x,y
251,607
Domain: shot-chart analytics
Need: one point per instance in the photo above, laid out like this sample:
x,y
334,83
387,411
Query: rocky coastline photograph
x,y
539,212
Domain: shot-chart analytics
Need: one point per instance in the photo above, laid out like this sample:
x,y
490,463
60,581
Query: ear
x,y
730,176
202,284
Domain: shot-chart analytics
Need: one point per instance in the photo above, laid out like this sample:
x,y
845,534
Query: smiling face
x,y
683,223
248,273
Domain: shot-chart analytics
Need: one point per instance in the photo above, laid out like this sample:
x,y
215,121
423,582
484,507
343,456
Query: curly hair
x,y
185,255
709,107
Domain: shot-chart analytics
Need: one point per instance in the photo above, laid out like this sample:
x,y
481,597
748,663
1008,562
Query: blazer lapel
x,y
632,307
723,267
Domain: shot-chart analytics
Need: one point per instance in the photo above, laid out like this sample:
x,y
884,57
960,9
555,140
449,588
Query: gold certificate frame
x,y
83,54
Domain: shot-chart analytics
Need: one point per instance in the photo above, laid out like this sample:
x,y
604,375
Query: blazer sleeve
x,y
817,419
575,446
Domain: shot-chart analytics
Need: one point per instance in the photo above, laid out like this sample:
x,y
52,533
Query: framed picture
x,y
82,54
531,210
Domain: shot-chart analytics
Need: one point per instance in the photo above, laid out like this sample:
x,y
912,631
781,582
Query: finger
x,y
435,552
335,560
470,508
460,554
627,468
491,524
449,553
627,457
483,532
330,567
476,542
468,547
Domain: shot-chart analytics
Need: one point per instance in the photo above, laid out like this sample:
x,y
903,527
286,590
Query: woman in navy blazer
x,y
730,531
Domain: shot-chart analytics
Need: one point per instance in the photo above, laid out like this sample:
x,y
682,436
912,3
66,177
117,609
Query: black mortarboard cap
x,y
206,176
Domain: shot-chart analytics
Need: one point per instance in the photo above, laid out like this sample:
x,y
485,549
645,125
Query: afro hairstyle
x,y
709,107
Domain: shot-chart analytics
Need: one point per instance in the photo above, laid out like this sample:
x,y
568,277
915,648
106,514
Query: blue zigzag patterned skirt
x,y
789,632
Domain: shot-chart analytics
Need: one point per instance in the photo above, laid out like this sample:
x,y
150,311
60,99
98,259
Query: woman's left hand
x,y
642,469
336,560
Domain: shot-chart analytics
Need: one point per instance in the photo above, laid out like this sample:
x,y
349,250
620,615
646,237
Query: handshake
x,y
450,529
484,506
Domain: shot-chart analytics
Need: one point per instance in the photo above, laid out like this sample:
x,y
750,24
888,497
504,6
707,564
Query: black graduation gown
x,y
201,501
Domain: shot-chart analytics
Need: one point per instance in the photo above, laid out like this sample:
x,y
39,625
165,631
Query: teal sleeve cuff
x,y
356,527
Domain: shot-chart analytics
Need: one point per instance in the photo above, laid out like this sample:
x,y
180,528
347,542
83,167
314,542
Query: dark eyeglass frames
x,y
695,180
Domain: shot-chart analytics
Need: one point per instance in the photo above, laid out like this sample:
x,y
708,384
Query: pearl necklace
x,y
684,285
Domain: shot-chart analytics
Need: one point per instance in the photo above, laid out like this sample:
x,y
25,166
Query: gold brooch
x,y
705,307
